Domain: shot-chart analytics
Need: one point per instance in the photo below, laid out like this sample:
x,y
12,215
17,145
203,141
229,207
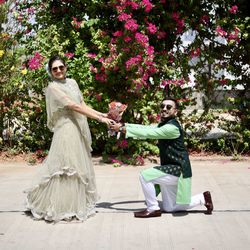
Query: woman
x,y
65,187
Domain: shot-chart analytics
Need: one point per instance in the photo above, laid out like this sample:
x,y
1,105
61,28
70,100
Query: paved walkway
x,y
115,228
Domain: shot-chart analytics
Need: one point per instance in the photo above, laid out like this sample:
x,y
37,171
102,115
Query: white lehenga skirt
x,y
64,187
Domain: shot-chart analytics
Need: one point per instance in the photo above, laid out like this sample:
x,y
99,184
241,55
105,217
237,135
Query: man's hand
x,y
115,126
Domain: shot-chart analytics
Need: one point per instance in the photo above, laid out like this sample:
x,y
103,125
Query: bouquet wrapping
x,y
116,110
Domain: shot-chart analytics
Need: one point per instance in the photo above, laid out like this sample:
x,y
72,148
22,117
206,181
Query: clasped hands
x,y
116,127
112,125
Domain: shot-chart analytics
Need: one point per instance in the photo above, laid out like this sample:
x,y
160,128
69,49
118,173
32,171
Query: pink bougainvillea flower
x,y
148,5
69,55
93,69
223,81
127,39
75,23
161,34
131,25
175,16
98,97
91,55
139,160
2,1
35,61
204,19
133,61
220,31
124,16
150,50
116,161
233,9
102,77
195,53
234,36
180,26
152,69
101,59
122,144
118,33
151,28
180,23
134,5
141,38
163,84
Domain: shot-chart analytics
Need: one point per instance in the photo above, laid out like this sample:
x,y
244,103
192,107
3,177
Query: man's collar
x,y
164,121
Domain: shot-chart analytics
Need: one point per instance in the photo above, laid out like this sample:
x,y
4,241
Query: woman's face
x,y
58,70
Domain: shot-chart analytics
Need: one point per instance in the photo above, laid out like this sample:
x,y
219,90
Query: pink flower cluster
x,y
154,118
233,9
180,24
35,61
75,23
139,160
220,31
131,25
204,19
148,6
69,55
124,16
98,97
133,61
161,34
179,82
102,77
141,38
152,29
195,53
223,81
232,36
91,55
113,160
118,33
122,144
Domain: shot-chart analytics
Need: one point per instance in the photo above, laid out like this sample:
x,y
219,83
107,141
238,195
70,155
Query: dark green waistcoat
x,y
173,154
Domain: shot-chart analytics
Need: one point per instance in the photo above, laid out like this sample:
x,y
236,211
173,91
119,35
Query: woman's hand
x,y
108,121
105,115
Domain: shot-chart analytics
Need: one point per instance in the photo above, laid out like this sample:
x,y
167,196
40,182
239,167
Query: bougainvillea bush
x,y
134,52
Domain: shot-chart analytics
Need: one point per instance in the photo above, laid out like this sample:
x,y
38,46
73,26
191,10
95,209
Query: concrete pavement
x,y
115,228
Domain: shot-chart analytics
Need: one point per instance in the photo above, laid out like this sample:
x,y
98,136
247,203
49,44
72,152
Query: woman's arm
x,y
89,112
81,108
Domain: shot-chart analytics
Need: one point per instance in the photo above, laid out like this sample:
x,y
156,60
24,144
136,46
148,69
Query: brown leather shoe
x,y
146,214
208,202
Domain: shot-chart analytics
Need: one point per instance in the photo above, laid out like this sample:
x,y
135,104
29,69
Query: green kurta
x,y
173,161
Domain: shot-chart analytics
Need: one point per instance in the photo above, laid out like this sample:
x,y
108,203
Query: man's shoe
x,y
208,202
146,214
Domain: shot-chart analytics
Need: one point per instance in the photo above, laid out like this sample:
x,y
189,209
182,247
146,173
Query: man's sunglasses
x,y
168,107
55,69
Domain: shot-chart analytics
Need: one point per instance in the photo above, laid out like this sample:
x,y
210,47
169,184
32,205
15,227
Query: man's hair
x,y
172,99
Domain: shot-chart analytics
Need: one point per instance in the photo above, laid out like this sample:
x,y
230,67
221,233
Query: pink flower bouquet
x,y
115,113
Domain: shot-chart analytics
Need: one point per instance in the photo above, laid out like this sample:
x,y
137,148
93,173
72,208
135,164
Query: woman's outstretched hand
x,y
107,121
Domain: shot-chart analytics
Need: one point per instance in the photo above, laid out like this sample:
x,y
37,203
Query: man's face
x,y
168,109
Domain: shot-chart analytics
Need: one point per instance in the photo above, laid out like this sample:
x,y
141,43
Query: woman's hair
x,y
55,58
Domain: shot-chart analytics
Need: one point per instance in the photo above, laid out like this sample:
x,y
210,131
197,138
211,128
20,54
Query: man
x,y
173,177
